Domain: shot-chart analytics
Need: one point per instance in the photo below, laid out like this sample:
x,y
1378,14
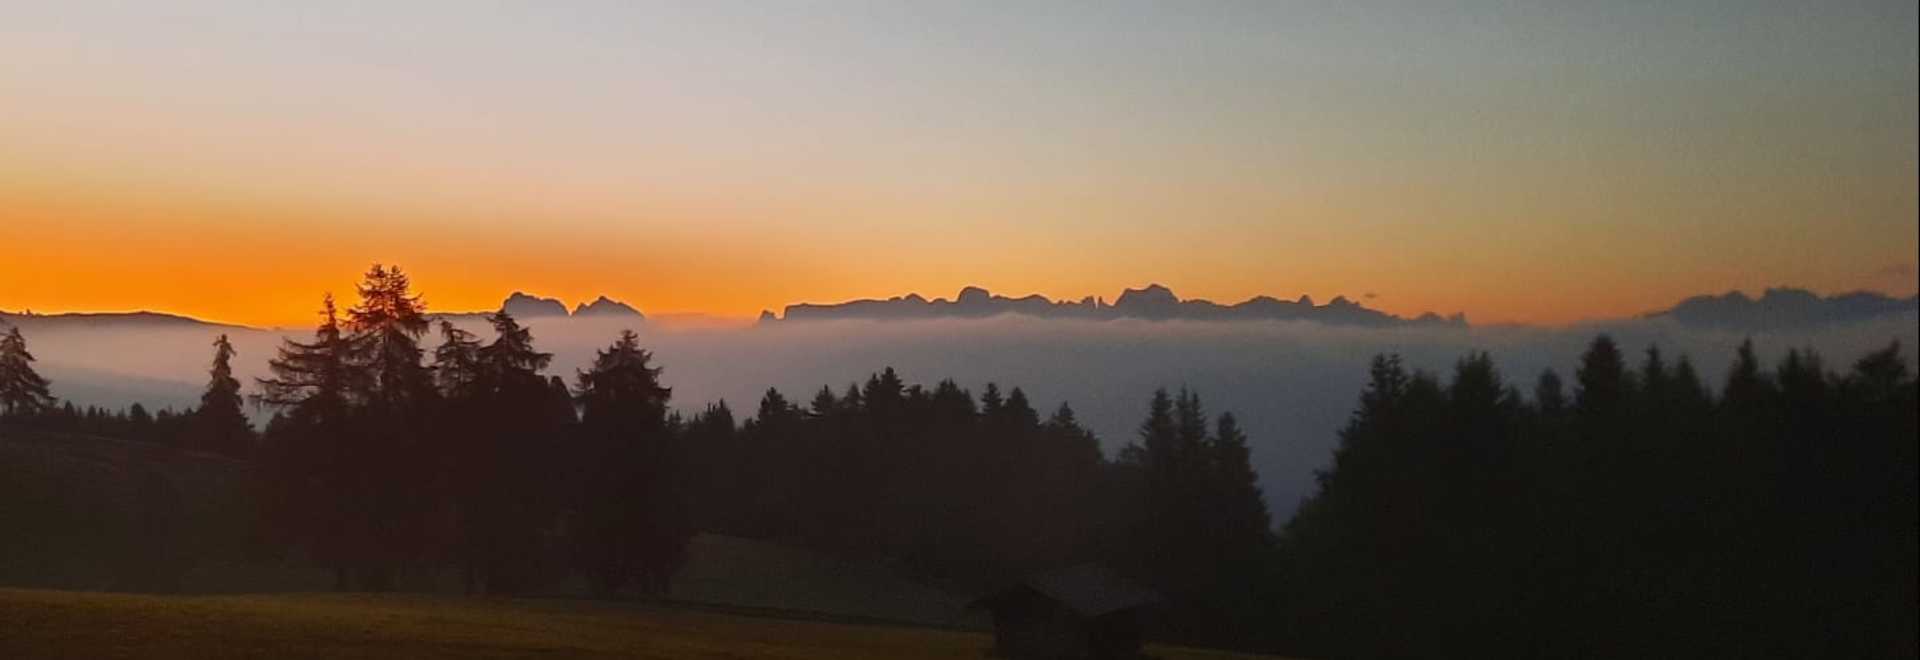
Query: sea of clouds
x,y
1292,384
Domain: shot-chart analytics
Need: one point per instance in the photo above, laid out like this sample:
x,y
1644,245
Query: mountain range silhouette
x,y
604,306
525,306
1778,308
1153,302
1784,308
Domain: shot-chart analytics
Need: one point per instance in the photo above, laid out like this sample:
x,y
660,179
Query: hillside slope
x,y
83,512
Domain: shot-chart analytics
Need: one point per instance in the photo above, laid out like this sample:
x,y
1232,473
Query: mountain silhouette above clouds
x,y
526,307
1153,302
1779,308
1785,308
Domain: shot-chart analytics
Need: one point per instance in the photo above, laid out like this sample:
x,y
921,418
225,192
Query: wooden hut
x,y
1081,613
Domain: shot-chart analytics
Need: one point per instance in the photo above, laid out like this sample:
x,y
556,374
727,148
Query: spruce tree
x,y
1158,436
1604,384
1190,429
463,433
497,418
824,403
456,363
633,519
1748,389
511,357
219,425
560,406
1549,394
316,381
1018,411
1243,527
22,391
315,386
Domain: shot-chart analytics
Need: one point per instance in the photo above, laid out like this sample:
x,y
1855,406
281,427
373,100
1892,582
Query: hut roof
x,y
1089,590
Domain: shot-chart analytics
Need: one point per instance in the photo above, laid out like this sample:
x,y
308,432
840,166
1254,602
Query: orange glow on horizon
x,y
226,162
262,263
84,239
243,272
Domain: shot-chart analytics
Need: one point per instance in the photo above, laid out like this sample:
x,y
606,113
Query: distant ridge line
x,y
1153,302
1784,308
1776,308
8,319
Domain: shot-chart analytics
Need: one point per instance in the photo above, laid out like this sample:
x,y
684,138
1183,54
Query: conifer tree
x,y
824,403
1549,394
497,418
1604,383
633,519
316,386
390,320
316,381
219,425
463,431
511,357
1244,527
22,391
456,363
774,409
1190,429
1158,437
1077,446
1748,388
560,406
1018,411
394,456
991,401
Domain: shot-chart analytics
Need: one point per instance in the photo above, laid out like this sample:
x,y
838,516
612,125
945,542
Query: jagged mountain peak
x,y
524,305
604,306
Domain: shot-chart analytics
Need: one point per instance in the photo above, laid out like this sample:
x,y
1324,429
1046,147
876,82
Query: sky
x,y
1534,162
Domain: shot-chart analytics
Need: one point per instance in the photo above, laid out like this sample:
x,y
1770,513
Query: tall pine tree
x,y
316,386
633,524
218,424
22,391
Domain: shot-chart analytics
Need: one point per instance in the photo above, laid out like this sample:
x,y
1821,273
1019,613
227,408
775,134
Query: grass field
x,y
72,624
67,504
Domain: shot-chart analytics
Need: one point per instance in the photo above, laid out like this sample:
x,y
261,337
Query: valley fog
x,y
1292,384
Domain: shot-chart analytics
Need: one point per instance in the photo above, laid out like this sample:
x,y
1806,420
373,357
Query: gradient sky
x,y
1519,161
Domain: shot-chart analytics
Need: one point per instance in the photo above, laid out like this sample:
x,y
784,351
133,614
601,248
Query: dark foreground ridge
x,y
1155,302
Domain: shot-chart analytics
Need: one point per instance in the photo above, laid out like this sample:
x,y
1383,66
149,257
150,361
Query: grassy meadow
x,y
72,624
72,507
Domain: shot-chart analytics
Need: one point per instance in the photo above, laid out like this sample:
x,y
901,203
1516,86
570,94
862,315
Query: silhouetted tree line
x,y
218,425
384,458
382,462
1638,514
1634,511
385,461
953,484
135,422
972,491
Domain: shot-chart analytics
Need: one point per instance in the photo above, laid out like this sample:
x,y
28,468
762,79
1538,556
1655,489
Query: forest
x,y
1631,510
